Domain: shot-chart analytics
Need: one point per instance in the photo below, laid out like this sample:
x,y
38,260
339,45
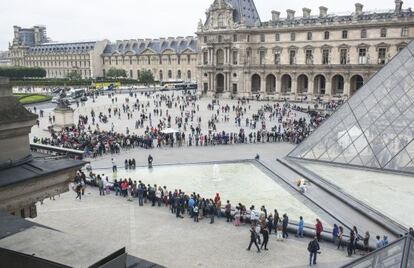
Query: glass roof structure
x,y
375,127
399,254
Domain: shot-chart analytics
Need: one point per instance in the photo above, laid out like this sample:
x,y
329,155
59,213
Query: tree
x,y
146,77
22,72
74,75
114,73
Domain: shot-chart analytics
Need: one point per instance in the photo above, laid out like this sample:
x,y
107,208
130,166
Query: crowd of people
x,y
197,207
95,133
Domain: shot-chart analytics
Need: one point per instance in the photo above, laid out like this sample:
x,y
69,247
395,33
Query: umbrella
x,y
169,131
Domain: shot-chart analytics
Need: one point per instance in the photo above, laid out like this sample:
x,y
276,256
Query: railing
x,y
57,152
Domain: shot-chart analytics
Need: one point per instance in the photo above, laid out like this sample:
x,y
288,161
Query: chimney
x,y
306,13
323,12
358,9
290,14
398,6
275,15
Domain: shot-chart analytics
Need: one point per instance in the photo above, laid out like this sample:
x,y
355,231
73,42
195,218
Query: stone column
x,y
262,84
347,86
328,87
278,84
294,89
310,87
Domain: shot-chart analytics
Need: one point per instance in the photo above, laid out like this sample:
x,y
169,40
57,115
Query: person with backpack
x,y
313,248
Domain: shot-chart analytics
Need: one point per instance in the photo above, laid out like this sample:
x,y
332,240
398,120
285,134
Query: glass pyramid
x,y
398,254
375,127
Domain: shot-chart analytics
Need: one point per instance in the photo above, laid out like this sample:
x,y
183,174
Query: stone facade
x,y
296,57
235,53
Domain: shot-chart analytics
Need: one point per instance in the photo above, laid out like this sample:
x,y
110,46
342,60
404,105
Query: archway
x,y
357,82
220,57
337,84
256,83
286,83
220,83
270,83
319,85
303,83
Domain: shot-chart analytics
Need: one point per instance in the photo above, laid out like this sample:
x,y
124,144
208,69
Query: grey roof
x,y
67,47
244,11
158,46
36,168
366,16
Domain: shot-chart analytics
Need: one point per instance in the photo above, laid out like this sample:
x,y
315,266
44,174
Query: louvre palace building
x,y
292,56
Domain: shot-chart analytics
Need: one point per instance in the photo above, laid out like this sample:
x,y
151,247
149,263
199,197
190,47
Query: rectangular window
x,y
235,57
205,39
344,56
326,35
262,38
344,34
325,56
363,33
309,36
234,88
205,58
234,37
404,31
248,38
277,57
292,36
179,59
277,37
262,57
292,57
309,56
383,32
362,56
382,55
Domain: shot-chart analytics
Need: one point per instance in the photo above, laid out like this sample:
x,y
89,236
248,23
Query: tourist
x,y
237,216
357,238
265,233
411,231
114,168
301,223
340,238
379,244
275,220
319,229
313,248
335,231
366,242
227,212
279,230
150,160
195,213
351,243
285,223
253,238
385,241
101,186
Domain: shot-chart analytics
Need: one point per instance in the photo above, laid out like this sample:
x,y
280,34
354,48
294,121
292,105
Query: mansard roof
x,y
74,47
157,46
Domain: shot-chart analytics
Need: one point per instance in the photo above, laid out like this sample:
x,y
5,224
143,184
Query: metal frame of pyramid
x,y
375,127
399,254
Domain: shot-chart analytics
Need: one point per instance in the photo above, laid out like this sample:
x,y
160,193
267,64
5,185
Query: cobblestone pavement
x,y
154,234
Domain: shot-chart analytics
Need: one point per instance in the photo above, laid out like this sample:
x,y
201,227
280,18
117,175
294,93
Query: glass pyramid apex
x,y
375,127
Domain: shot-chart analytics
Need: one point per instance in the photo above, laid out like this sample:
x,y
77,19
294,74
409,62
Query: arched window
x,y
179,74
161,76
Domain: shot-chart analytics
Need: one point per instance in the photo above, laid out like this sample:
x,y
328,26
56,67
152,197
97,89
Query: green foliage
x,y
22,72
146,77
32,98
74,75
113,72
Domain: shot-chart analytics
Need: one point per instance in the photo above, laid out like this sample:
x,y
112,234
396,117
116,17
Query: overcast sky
x,y
71,20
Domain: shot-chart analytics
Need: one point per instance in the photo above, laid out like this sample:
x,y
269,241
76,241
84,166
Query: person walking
x,y
227,211
319,229
114,168
340,237
253,238
313,248
285,223
301,225
265,233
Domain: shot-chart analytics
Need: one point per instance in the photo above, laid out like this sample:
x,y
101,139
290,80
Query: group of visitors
x,y
95,132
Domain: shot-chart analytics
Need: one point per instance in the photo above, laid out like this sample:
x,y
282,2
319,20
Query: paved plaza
x,y
154,234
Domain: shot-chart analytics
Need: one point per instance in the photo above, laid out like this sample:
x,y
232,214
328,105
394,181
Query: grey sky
x,y
69,20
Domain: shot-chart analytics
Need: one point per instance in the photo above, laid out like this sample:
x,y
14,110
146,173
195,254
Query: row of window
x,y
58,63
160,60
160,74
309,35
62,73
363,57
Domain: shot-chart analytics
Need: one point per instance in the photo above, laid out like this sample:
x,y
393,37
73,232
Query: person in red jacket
x,y
319,229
